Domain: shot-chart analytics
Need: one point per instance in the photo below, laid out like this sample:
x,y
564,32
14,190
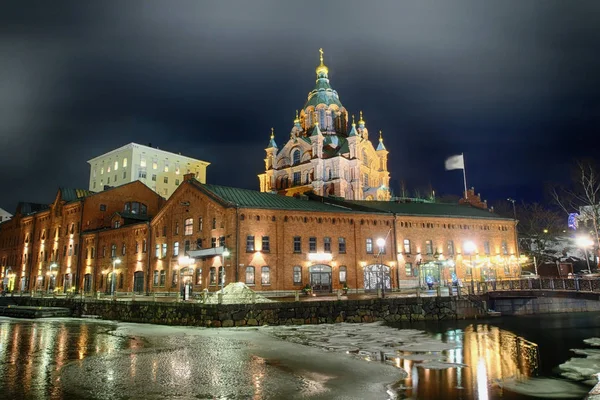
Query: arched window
x,y
296,157
343,274
265,276
249,275
198,276
212,276
297,275
365,159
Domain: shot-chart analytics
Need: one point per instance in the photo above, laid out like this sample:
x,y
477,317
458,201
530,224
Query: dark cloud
x,y
514,85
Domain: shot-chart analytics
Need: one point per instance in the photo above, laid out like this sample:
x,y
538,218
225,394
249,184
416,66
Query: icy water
x,y
508,358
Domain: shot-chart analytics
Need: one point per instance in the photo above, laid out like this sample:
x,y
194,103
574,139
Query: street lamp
x,y
113,287
381,245
469,247
584,242
224,254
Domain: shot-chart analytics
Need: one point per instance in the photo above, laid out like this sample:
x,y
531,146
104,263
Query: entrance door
x,y
320,278
87,283
373,277
138,282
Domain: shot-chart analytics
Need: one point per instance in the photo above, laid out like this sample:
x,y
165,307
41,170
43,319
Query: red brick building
x,y
208,234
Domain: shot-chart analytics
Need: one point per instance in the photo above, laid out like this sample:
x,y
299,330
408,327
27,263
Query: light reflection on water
x,y
490,354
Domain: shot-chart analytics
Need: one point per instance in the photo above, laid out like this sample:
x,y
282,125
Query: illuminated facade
x,y
160,170
321,155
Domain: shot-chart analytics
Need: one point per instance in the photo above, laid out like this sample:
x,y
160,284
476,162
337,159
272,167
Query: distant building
x,y
160,170
323,156
4,215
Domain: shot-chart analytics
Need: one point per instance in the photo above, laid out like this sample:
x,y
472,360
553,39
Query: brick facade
x,y
150,250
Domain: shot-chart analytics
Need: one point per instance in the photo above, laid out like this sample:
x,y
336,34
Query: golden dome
x,y
361,121
322,68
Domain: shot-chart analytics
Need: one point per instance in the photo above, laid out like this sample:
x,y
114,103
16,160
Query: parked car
x,y
529,275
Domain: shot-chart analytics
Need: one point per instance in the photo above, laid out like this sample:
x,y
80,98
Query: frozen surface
x,y
545,388
181,362
237,293
585,368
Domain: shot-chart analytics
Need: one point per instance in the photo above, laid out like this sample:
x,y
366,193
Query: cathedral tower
x,y
323,156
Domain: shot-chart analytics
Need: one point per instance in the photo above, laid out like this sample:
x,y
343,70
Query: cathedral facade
x,y
323,156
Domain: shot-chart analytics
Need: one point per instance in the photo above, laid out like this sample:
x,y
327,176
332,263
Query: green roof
x,y
253,199
428,209
72,194
323,94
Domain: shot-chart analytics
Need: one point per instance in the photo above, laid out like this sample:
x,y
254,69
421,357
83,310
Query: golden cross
x,y
272,133
321,51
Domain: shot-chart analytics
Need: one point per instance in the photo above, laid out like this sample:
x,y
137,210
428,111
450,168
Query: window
x,y
214,223
176,182
155,278
108,169
123,249
124,162
504,247
200,224
450,248
297,275
142,174
116,165
343,274
174,278
222,241
163,277
429,247
117,224
186,246
198,276
327,244
213,242
312,244
249,275
144,246
154,177
222,276
342,245
157,251
154,165
266,245
265,276
166,179
408,269
166,168
102,207
249,243
486,248
113,250
143,163
176,228
103,251
108,180
164,230
175,249
212,276
369,246
164,250
188,226
102,171
93,252
137,247
297,179
94,185
297,244
296,157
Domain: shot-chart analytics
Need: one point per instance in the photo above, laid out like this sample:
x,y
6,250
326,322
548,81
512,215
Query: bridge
x,y
543,295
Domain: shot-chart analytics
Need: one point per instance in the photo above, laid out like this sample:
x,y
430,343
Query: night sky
x,y
515,85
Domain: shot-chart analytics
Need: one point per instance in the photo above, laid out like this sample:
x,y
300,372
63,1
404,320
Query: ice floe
x,y
546,388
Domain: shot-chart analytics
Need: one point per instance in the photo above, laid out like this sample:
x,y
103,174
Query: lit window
x,y
164,250
327,244
143,163
342,245
154,165
450,247
166,168
249,275
407,246
116,165
188,226
124,162
177,171
250,243
265,276
369,246
175,249
102,171
212,276
429,247
198,276
297,275
266,245
408,269
343,274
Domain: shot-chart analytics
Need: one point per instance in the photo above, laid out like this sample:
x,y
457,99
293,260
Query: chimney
x,y
189,176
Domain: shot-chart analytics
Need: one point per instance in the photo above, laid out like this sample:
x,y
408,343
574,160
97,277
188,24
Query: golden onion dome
x,y
322,68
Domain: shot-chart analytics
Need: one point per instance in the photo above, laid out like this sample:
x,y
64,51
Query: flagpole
x,y
464,174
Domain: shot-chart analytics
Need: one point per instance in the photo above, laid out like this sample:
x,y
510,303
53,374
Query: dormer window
x,y
134,207
296,157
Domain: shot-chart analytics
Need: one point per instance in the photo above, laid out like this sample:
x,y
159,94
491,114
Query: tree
x,y
582,196
539,229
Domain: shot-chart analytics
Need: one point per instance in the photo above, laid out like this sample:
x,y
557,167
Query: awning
x,y
213,251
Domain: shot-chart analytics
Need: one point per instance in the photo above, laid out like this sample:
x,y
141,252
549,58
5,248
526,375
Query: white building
x,y
4,215
160,170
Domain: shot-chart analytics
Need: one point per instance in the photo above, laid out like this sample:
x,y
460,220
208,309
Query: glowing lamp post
x,y
470,248
584,242
112,286
224,254
381,245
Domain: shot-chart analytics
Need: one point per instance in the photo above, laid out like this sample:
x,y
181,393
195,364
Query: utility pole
x,y
516,235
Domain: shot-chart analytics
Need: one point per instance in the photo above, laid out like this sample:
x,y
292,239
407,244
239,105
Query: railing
x,y
551,284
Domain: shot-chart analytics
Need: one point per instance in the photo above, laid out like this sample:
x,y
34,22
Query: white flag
x,y
455,162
